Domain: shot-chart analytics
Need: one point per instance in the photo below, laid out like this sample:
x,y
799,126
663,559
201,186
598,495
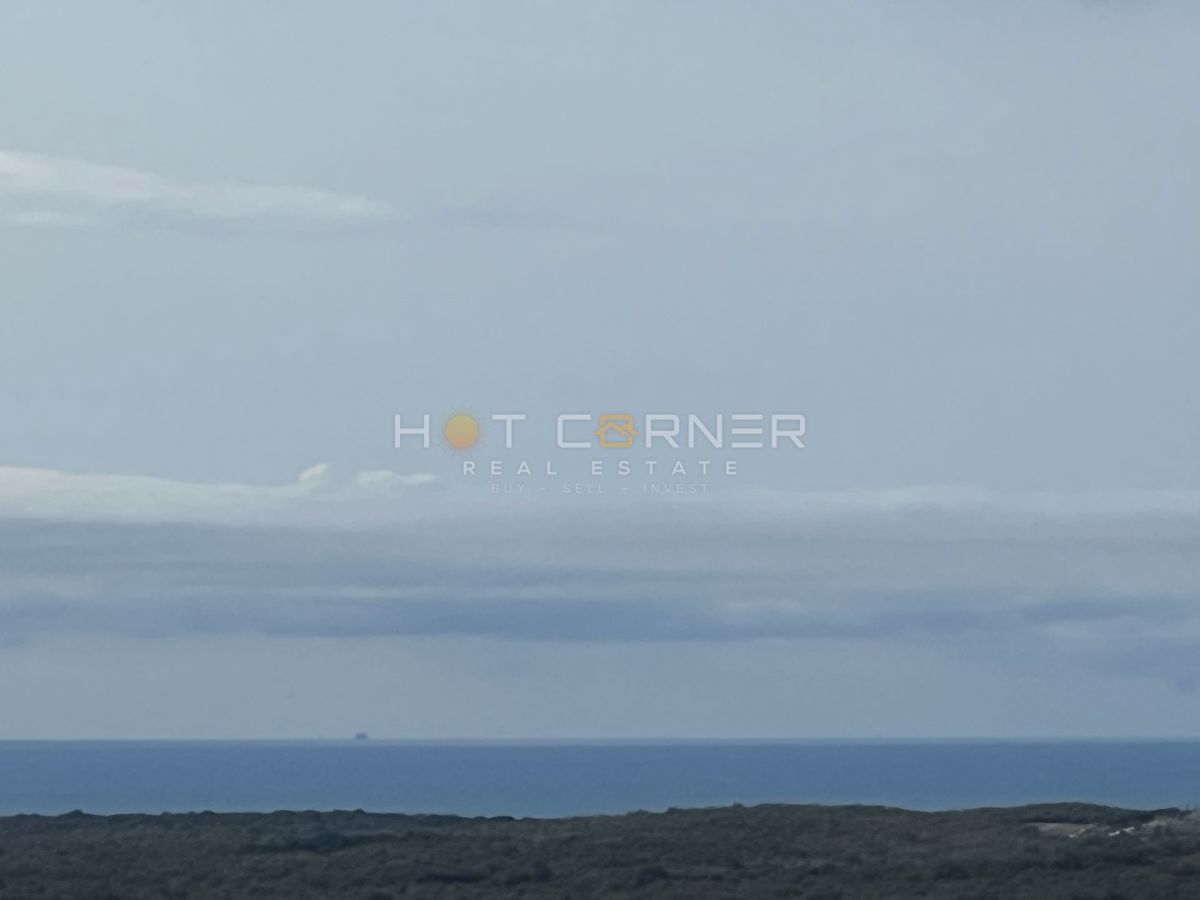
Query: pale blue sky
x,y
959,237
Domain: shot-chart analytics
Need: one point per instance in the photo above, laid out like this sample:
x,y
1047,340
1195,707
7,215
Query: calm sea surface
x,y
566,779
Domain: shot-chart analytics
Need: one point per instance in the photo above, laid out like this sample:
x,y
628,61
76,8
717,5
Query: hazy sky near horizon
x,y
958,237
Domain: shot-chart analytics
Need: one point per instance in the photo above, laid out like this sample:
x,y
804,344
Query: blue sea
x,y
561,779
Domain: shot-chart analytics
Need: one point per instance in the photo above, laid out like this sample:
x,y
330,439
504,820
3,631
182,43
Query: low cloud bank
x,y
1112,579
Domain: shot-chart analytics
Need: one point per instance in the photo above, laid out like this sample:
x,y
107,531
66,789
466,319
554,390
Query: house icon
x,y
616,430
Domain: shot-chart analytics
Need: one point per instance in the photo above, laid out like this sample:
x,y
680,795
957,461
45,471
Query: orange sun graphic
x,y
461,431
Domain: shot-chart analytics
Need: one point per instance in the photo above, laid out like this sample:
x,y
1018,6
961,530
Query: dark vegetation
x,y
1071,851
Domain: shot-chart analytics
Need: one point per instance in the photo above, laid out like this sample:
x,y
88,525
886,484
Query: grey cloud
x,y
1102,581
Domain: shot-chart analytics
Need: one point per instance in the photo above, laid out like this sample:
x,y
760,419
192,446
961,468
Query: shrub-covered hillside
x,y
1072,852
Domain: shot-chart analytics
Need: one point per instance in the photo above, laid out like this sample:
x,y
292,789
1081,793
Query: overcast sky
x,y
960,238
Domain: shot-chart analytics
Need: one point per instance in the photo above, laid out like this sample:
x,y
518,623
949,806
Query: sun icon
x,y
461,431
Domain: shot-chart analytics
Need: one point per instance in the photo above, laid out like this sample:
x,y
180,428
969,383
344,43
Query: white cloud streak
x,y
317,496
37,190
